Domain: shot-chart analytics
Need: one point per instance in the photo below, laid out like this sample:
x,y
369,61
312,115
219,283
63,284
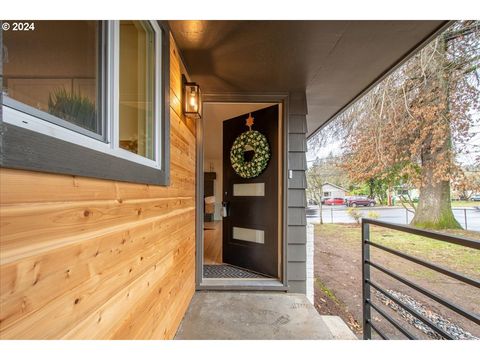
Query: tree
x,y
468,186
320,172
412,125
375,188
315,181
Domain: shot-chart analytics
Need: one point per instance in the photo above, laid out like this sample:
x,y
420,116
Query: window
x,y
88,98
327,194
137,87
56,77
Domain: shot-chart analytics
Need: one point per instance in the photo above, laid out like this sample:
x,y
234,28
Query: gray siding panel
x,y
297,124
296,198
298,103
297,142
297,161
297,270
297,234
295,286
296,215
297,252
298,180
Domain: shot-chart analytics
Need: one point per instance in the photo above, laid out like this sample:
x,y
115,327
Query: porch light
x,y
192,100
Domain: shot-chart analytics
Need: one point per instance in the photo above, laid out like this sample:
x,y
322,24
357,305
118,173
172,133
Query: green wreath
x,y
259,144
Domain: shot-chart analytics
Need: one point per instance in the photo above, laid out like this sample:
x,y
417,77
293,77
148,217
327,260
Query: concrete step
x,y
338,328
218,315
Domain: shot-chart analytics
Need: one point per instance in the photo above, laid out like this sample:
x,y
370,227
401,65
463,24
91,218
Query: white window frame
x,y
111,145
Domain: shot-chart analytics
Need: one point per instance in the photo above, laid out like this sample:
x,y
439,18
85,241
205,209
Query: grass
x,y
323,288
456,257
459,203
465,203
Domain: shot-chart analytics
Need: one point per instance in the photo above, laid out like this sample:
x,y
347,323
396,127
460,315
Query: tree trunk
x,y
320,211
434,210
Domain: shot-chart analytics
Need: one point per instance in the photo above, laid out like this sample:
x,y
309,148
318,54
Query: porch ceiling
x,y
334,61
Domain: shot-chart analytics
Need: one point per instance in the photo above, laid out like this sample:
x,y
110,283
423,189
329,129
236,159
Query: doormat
x,y
229,272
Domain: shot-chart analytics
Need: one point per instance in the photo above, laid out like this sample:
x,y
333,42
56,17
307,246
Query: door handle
x,y
225,208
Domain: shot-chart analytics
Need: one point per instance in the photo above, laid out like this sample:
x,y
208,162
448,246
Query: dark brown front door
x,y
250,229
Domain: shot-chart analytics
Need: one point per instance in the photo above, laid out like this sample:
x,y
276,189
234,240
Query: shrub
x,y
355,214
373,215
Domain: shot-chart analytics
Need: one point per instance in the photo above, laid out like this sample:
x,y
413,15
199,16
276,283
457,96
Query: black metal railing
x,y
367,282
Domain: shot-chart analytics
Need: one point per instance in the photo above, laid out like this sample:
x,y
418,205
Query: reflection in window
x,y
53,69
137,87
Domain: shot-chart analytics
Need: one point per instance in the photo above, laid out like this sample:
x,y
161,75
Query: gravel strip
x,y
455,331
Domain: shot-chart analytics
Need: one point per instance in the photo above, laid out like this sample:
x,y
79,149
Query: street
x,y
338,214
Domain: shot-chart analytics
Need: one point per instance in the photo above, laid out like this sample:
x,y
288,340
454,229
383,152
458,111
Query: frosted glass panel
x,y
255,189
256,236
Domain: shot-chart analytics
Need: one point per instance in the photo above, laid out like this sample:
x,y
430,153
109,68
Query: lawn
x,y
338,273
456,257
465,203
456,204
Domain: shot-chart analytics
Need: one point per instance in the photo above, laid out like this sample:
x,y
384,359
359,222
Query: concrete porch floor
x,y
222,315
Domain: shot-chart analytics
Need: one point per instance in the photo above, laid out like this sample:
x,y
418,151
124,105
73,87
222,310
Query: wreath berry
x,y
254,167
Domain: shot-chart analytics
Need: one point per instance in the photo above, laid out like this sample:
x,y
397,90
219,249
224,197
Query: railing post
x,y
331,214
465,215
367,330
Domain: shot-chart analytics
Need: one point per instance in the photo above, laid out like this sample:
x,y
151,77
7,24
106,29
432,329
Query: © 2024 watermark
x,y
18,26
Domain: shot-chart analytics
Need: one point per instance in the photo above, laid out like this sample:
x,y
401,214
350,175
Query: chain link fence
x,y
469,217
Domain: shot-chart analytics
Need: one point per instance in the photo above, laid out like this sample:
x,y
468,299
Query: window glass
x,y
54,70
137,88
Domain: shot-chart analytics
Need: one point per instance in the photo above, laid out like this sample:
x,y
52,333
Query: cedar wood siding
x,y
84,258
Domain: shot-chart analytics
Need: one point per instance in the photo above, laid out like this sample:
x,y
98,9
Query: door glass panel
x,y
252,189
256,236
52,72
137,88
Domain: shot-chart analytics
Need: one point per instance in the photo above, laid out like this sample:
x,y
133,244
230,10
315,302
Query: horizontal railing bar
x,y
382,335
392,321
474,317
427,233
429,265
411,311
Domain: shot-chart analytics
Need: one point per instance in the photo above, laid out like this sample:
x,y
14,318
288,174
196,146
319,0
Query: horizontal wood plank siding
x,y
85,258
296,215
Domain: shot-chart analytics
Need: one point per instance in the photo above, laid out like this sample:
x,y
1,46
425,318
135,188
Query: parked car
x,y
475,197
355,201
335,201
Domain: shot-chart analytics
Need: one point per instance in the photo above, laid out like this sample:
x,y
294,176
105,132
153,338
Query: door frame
x,y
242,284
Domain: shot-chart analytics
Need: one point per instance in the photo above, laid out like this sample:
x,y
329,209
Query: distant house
x,y
406,192
330,190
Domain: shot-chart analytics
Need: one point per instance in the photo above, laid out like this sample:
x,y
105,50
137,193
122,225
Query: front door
x,y
250,227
